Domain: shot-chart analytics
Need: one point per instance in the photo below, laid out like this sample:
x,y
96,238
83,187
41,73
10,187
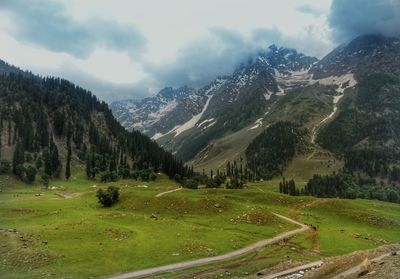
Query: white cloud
x,y
170,29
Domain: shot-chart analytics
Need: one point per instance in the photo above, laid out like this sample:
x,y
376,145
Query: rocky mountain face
x,y
160,113
277,84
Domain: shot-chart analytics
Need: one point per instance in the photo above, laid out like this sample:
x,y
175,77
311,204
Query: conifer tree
x,y
18,157
69,154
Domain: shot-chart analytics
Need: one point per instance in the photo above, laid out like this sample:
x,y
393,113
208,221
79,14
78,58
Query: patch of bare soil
x,y
69,195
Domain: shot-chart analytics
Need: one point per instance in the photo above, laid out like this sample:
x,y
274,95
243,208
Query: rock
x,y
153,216
217,205
45,242
175,254
365,267
371,272
393,253
357,235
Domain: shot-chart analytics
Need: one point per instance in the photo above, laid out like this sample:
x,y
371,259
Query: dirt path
x,y
209,260
166,192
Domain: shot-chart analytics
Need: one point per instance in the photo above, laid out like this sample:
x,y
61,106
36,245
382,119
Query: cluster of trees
x,y
374,163
235,176
108,197
348,186
288,187
270,152
211,181
38,116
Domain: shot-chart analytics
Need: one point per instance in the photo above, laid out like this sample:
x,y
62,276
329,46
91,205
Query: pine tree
x,y
69,154
55,161
47,162
18,158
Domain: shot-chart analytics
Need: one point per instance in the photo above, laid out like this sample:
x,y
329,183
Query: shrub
x,y
177,178
190,183
108,197
30,172
5,167
109,176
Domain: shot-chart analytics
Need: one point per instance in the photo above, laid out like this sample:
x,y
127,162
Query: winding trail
x,y
209,260
167,192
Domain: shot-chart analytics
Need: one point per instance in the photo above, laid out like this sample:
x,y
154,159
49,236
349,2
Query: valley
x,y
211,153
63,231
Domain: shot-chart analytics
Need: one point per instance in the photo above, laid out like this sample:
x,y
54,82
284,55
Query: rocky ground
x,y
387,268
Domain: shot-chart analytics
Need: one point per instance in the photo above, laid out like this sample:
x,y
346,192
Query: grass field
x,y
64,232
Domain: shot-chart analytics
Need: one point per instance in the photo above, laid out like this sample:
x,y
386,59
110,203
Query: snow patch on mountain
x,y
342,82
257,124
267,95
209,125
193,121
205,121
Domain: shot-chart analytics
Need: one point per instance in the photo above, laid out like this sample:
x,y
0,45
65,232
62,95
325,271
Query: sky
x,y
122,49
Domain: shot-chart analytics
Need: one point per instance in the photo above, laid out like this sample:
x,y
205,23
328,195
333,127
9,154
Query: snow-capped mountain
x,y
148,115
214,124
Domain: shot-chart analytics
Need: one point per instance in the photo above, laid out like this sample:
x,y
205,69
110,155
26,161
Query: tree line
x,y
344,185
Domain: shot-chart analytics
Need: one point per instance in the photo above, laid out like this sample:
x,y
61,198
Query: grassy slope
x,y
306,106
83,237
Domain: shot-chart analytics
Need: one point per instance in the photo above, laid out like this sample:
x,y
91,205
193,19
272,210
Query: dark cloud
x,y
203,60
308,9
350,18
220,53
44,23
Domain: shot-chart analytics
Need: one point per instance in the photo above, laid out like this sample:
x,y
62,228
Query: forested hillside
x,y
271,151
46,124
367,131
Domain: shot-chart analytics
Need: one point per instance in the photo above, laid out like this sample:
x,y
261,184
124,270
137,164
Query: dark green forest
x,y
344,185
271,151
49,123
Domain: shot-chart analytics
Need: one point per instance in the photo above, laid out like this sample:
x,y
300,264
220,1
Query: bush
x,y
190,184
145,174
109,176
5,167
177,178
108,197
45,180
30,172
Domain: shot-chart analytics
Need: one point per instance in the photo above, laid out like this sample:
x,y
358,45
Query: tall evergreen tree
x,y
18,157
69,154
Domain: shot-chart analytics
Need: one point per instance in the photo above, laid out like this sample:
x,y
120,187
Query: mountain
x,y
47,124
226,105
347,101
149,115
366,130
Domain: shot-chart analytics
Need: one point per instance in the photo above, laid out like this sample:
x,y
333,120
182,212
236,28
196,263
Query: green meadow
x,y
64,232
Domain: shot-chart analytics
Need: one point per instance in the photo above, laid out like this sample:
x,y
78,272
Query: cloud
x,y
104,90
351,18
44,23
309,9
221,51
203,59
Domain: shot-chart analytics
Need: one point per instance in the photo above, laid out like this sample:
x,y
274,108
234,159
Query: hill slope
x,y
46,123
